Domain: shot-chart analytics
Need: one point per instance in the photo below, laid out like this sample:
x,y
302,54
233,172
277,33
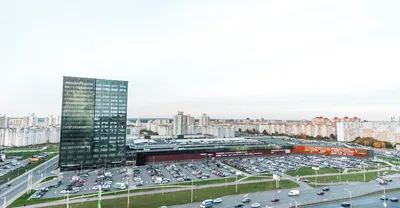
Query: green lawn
x,y
369,176
183,197
49,179
16,173
25,155
259,177
214,181
309,171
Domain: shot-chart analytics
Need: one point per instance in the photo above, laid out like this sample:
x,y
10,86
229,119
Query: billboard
x,y
330,151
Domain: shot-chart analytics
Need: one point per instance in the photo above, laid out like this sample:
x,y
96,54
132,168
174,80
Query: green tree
x,y
265,132
332,136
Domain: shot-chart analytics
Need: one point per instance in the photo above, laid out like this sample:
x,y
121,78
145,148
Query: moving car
x,y
246,200
345,204
275,200
256,205
325,189
294,193
218,200
394,199
238,205
383,197
320,193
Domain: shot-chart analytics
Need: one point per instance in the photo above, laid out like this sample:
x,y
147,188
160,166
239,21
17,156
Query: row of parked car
x,y
176,173
39,193
103,180
196,171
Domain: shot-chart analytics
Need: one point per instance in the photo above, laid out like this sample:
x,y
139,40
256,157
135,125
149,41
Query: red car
x,y
321,193
275,200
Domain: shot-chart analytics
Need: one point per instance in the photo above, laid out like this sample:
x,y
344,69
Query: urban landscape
x,y
208,104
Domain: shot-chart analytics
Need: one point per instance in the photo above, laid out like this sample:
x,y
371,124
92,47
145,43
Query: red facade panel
x,y
330,151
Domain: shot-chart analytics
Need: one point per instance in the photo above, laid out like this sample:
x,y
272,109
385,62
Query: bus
x,y
209,203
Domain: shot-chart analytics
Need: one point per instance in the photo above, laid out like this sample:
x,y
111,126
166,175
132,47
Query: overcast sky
x,y
231,59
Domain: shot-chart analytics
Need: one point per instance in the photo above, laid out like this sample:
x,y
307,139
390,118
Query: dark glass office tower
x,y
93,123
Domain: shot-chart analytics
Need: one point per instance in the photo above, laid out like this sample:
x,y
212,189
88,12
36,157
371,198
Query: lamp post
x,y
127,205
236,183
316,180
350,195
364,174
340,176
384,195
295,202
191,193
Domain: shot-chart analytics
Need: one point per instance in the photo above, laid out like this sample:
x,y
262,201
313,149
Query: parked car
x,y
256,205
394,199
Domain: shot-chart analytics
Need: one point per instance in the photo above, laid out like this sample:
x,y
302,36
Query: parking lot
x,y
289,163
157,174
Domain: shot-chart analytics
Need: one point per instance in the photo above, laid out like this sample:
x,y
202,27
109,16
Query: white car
x,y
64,192
218,200
255,205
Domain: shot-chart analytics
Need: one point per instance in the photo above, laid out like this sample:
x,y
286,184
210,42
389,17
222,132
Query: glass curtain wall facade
x,y
93,123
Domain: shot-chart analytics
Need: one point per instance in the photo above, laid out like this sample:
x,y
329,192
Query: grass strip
x,y
309,171
369,176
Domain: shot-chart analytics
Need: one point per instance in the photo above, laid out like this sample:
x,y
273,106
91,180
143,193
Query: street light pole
x,y
316,180
384,195
364,174
350,195
340,178
236,183
67,199
191,194
128,199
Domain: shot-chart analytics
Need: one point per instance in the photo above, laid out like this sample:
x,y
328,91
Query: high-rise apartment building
x,y
180,124
3,121
204,120
93,123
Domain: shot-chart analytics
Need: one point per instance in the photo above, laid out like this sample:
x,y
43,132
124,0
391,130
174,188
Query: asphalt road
x,y
20,184
369,201
307,196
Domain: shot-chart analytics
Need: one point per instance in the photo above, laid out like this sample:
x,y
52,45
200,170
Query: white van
x,y
294,193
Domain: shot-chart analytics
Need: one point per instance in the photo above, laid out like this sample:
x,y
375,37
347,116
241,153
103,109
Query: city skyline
x,y
230,59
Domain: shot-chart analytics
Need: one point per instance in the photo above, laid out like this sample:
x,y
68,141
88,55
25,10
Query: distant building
x,y
93,123
382,131
204,120
3,121
180,124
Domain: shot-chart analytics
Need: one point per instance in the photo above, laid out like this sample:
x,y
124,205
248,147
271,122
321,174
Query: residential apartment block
x,y
383,131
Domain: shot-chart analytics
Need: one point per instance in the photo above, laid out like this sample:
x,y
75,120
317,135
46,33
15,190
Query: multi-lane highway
x,y
307,196
20,185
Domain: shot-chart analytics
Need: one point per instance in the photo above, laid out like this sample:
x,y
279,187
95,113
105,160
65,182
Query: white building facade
x,y
383,131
